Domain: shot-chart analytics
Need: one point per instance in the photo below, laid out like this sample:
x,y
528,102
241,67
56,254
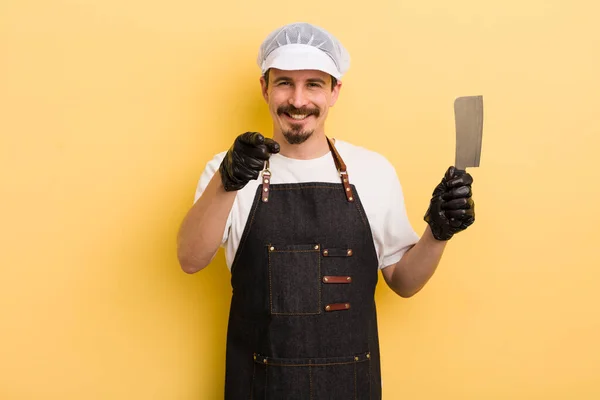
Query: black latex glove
x,y
451,208
245,159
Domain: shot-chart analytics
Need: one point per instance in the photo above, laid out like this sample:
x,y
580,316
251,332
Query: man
x,y
305,242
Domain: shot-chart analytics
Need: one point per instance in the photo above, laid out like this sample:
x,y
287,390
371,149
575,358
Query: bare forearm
x,y
417,265
202,229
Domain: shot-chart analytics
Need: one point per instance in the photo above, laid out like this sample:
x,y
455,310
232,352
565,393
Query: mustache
x,y
290,109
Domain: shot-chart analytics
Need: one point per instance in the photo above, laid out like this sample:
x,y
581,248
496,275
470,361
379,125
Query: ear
x,y
264,90
335,93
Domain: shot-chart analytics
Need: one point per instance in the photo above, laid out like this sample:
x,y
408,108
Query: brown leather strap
x,y
339,163
266,177
337,279
341,167
337,306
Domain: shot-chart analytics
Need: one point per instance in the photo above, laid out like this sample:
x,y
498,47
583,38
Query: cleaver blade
x,y
468,115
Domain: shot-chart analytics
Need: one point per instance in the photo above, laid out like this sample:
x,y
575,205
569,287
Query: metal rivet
x,y
255,356
271,248
327,308
266,189
265,360
368,355
266,181
317,247
355,358
265,199
326,279
347,189
348,278
350,199
345,180
347,305
349,252
325,252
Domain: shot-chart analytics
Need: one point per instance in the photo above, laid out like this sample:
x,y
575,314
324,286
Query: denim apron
x,y
303,323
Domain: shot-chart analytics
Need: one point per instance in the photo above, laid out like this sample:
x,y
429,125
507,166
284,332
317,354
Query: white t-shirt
x,y
372,174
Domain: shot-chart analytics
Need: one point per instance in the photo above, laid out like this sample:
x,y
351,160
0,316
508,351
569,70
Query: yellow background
x,y
110,110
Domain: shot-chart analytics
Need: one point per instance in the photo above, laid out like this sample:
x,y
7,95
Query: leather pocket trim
x,y
337,279
337,307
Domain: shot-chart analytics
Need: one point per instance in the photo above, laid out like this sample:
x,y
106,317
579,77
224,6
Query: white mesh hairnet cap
x,y
303,46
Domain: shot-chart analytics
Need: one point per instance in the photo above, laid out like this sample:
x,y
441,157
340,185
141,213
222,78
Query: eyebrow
x,y
311,80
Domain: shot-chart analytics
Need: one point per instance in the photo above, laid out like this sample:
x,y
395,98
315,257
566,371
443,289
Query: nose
x,y
298,98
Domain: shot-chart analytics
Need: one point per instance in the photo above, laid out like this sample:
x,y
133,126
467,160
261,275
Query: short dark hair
x,y
266,76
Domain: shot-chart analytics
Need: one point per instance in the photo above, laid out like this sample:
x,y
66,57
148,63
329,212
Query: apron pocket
x,y
344,378
294,279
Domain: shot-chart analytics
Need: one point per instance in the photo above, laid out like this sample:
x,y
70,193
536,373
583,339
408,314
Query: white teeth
x,y
298,116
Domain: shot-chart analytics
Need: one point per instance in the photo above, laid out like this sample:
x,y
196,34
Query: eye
x,y
314,85
283,83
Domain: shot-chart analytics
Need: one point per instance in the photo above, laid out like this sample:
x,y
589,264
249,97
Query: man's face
x,y
299,102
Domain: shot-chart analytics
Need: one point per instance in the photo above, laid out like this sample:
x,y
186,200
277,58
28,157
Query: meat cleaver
x,y
468,115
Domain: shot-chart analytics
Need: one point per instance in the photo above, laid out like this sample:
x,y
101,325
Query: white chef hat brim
x,y
293,57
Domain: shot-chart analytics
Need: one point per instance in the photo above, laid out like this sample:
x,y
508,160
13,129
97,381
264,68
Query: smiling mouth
x,y
298,117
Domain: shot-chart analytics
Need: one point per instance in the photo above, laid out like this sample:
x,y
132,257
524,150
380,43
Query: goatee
x,y
295,136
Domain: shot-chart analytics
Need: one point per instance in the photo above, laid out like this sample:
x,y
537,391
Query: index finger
x,y
272,145
460,180
252,138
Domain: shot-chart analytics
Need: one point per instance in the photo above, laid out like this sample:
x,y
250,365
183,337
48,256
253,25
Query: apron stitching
x,y
354,381
252,385
266,378
309,187
270,286
319,280
310,379
314,313
362,216
370,390
294,251
273,364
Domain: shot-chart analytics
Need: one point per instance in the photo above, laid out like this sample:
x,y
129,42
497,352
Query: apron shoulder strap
x,y
341,167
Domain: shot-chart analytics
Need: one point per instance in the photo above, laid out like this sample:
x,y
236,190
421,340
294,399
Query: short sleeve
x,y
398,234
209,171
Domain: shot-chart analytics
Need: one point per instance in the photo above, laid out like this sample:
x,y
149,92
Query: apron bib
x,y
303,322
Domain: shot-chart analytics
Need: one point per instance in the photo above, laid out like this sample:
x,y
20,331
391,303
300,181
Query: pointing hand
x,y
245,159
